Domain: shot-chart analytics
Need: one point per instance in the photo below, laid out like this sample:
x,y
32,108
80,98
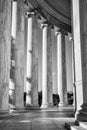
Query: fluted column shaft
x,y
79,12
14,19
17,54
73,74
46,67
61,64
13,41
29,61
5,45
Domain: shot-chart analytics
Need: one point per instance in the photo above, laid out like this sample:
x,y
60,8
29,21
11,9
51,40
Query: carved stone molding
x,y
29,14
51,14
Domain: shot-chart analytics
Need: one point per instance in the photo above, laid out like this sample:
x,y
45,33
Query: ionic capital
x,y
46,24
29,14
13,0
57,33
60,32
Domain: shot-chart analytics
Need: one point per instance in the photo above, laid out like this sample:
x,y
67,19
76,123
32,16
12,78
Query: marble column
x,y
79,20
47,99
18,56
61,71
31,61
35,63
14,19
13,40
5,45
73,74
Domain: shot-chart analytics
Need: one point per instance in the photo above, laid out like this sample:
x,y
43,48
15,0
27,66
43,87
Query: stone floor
x,y
36,120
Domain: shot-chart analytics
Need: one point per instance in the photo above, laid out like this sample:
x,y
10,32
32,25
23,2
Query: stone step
x,y
5,115
64,114
82,124
61,111
74,125
69,124
32,107
77,128
24,109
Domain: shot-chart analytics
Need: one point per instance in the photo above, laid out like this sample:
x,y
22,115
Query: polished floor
x,y
36,120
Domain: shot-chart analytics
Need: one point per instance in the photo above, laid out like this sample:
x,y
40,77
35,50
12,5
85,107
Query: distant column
x,y
29,60
14,19
73,74
13,41
47,100
61,71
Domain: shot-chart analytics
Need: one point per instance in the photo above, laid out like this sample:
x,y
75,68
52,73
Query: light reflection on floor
x,y
36,120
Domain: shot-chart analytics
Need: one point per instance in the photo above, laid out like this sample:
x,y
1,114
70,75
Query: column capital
x,y
14,0
60,32
29,14
46,24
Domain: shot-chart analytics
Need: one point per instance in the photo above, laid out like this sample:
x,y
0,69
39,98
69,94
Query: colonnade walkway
x,y
48,119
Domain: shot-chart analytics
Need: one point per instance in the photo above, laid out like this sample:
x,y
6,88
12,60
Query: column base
x,y
49,105
11,106
4,114
32,107
63,104
81,115
24,109
17,110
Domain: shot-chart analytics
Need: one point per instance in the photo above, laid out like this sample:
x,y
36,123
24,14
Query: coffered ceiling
x,y
57,12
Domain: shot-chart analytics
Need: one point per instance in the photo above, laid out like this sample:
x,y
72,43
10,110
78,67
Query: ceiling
x,y
57,12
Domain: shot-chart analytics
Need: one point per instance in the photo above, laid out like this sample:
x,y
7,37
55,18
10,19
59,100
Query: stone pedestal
x,y
61,64
47,99
5,44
